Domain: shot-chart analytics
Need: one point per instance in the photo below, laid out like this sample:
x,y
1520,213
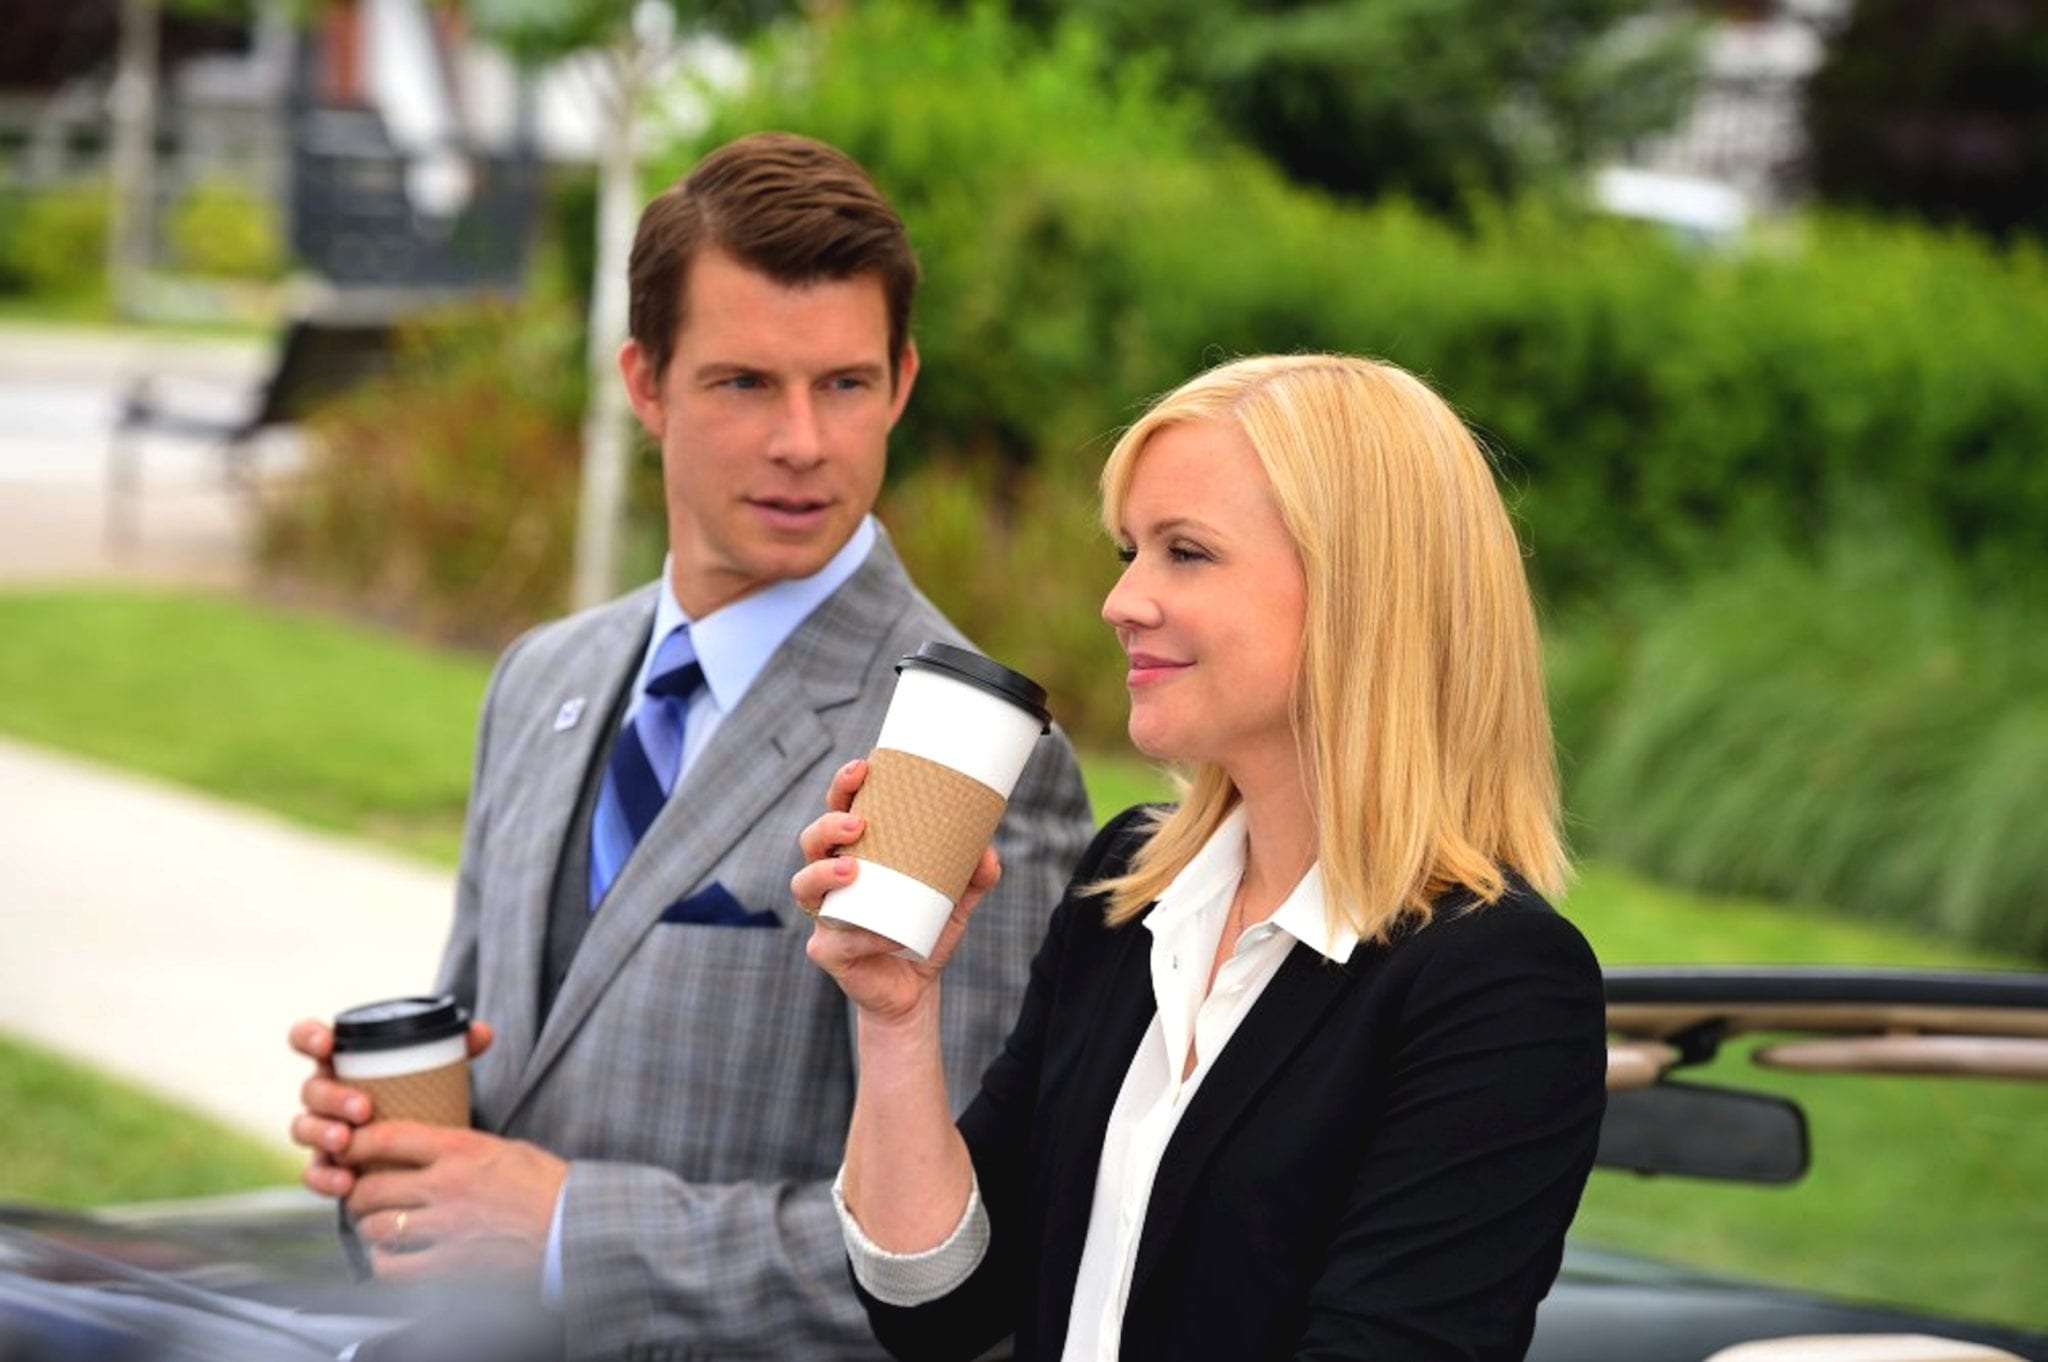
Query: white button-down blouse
x,y
1186,924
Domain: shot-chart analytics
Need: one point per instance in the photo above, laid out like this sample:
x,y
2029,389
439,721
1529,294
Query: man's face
x,y
773,420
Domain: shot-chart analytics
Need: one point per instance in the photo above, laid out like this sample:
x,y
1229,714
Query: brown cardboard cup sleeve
x,y
437,1096
925,820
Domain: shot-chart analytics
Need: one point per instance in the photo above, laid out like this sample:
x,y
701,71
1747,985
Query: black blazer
x,y
1380,1164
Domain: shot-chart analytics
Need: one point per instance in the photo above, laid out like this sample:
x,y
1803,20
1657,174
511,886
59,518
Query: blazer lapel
x,y
777,732
1283,1019
1119,1014
547,789
1113,1025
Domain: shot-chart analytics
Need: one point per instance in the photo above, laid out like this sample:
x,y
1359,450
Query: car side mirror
x,y
1700,1131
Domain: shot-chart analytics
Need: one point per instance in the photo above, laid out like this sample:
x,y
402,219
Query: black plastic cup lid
x,y
398,1022
986,673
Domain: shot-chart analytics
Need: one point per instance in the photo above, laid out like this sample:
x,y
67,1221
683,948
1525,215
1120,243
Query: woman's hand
x,y
865,965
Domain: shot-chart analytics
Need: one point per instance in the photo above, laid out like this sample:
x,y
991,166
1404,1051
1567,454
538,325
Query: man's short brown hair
x,y
789,207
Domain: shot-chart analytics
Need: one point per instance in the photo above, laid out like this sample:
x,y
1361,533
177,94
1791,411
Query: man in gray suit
x,y
663,1087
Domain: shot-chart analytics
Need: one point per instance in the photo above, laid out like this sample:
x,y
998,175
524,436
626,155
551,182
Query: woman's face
x,y
1211,603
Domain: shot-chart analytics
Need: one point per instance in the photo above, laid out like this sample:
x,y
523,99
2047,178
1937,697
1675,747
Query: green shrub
x,y
53,240
1088,241
220,226
1025,578
445,493
1867,731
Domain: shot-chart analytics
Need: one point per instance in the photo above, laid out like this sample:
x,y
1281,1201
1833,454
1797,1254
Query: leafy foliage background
x,y
1786,504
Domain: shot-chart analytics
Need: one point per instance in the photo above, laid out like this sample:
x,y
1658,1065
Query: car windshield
x,y
1925,1191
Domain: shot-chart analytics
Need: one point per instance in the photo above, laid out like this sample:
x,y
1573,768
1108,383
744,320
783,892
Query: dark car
x,y
261,1277
1662,1022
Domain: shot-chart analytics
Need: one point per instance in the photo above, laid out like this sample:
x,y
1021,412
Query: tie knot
x,y
675,671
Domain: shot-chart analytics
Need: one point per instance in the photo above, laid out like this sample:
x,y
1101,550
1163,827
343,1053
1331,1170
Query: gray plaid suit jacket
x,y
700,1078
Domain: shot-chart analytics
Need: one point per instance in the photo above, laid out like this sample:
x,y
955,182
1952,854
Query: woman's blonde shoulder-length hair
x,y
1419,703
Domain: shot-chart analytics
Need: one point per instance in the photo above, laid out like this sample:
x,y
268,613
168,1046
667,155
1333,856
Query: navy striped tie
x,y
645,758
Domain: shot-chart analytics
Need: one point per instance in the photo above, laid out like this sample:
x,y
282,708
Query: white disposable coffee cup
x,y
410,1055
959,729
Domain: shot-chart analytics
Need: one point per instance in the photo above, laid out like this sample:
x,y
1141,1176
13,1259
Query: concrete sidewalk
x,y
171,939
152,932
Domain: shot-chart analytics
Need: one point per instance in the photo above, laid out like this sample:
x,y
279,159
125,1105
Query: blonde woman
x,y
1307,1067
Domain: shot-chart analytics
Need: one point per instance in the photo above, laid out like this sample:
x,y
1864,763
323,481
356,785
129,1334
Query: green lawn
x,y
1926,1191
332,723
327,722
1115,782
81,309
69,1137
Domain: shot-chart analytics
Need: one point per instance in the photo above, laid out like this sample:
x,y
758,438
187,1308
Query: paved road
x,y
153,932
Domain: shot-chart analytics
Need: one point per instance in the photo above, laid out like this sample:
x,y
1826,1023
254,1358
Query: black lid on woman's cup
x,y
398,1022
964,664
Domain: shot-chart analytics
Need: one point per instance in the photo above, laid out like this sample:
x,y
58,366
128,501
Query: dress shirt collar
x,y
734,642
1211,878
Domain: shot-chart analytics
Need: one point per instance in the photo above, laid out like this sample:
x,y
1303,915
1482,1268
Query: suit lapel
x,y
1114,1024
1280,1022
777,732
549,785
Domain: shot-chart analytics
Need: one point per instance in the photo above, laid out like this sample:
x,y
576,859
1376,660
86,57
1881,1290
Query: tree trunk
x,y
606,437
133,166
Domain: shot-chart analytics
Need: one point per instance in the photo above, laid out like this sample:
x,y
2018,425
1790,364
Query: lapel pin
x,y
568,714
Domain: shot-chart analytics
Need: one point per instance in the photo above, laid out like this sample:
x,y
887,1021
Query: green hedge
x,y
53,240
220,226
1864,731
1088,241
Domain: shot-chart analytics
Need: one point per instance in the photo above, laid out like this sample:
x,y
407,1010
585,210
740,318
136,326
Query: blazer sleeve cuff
x,y
910,1279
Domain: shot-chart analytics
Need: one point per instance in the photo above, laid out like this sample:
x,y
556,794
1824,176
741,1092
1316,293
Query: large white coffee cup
x,y
958,732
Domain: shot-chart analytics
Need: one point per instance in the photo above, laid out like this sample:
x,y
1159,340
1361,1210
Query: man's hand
x,y
333,1109
430,1201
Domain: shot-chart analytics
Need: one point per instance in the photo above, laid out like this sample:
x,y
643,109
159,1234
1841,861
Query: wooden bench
x,y
317,359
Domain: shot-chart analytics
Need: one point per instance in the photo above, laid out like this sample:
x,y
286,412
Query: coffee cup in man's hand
x,y
410,1056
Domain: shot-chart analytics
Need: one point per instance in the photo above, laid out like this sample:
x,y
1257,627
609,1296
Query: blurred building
x,y
222,83
414,160
1742,149
401,152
